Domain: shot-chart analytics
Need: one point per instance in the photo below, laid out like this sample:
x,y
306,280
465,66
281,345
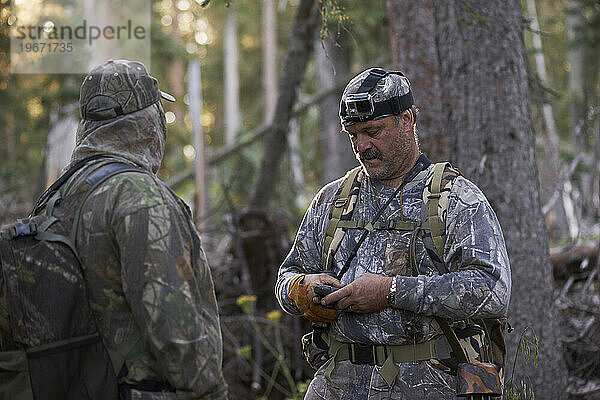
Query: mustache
x,y
370,154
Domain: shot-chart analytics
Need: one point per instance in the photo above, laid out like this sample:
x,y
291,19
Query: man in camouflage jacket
x,y
148,280
380,301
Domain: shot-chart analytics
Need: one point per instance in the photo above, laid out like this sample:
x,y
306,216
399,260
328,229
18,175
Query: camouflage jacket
x,y
148,279
478,284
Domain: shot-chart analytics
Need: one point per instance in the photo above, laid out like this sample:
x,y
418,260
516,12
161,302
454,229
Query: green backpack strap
x,y
343,203
437,227
433,216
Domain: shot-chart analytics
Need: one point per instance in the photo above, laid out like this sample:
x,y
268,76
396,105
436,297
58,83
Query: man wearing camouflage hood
x,y
147,276
384,339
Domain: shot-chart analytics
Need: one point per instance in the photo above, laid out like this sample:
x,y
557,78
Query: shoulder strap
x,y
437,228
343,204
436,225
62,179
435,197
457,349
94,179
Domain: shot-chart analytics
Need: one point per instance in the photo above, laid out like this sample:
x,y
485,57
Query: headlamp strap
x,y
393,106
371,80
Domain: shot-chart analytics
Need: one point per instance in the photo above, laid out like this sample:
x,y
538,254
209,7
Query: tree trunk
x,y
487,114
299,50
575,73
195,111
412,39
60,143
269,35
552,183
333,62
232,78
176,73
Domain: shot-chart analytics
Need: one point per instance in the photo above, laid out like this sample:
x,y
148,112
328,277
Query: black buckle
x,y
24,230
363,353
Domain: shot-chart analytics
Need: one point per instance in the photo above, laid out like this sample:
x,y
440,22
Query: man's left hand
x,y
366,294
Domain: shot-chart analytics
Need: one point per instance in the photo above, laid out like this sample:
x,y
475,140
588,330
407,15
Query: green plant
x,y
529,350
275,347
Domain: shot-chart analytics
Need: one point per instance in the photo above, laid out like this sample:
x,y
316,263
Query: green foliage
x,y
270,336
529,351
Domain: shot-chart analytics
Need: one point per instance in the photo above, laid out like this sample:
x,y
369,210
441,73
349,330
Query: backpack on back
x,y
49,344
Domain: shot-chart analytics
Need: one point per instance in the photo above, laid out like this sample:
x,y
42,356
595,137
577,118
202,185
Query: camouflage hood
x,y
138,137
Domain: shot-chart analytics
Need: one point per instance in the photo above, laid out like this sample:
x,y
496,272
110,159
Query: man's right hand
x,y
302,293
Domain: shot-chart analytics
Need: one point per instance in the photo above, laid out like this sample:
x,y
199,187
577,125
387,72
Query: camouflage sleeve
x,y
305,254
167,283
479,282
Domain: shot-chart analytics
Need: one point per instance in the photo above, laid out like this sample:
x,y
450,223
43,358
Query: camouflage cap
x,y
118,87
391,85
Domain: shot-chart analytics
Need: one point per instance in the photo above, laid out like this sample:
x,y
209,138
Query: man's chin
x,y
372,170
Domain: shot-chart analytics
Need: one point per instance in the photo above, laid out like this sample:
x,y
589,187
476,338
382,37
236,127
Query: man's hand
x,y
302,293
366,294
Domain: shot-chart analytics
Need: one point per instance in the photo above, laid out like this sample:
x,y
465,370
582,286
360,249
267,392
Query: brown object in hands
x,y
302,296
478,378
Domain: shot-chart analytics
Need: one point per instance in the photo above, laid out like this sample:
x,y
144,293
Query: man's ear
x,y
408,119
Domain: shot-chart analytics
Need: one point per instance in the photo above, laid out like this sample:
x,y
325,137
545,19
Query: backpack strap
x,y
392,224
436,225
341,210
435,197
457,349
94,179
43,199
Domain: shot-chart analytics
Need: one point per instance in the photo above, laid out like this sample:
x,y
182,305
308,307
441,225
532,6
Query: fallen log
x,y
574,260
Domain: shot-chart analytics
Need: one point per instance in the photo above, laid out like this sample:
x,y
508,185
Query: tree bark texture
x,y
299,51
486,110
333,62
232,77
552,182
412,38
269,35
60,143
195,111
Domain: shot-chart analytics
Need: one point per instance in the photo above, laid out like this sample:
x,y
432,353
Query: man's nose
x,y
363,143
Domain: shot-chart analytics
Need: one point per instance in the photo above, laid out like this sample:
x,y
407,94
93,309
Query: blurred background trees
x,y
252,99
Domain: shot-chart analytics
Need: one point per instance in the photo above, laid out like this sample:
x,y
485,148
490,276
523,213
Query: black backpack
x,y
49,344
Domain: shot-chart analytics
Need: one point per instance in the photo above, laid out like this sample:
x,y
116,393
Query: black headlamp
x,y
359,107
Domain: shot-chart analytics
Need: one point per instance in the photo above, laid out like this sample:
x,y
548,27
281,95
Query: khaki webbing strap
x,y
436,226
340,204
437,229
384,356
398,225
